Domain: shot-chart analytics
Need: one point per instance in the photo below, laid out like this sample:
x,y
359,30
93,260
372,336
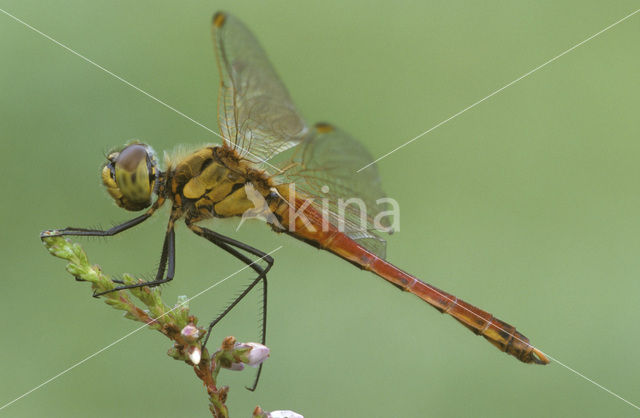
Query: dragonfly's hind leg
x,y
232,246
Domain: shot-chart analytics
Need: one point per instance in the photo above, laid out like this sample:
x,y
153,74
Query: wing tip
x,y
219,18
324,127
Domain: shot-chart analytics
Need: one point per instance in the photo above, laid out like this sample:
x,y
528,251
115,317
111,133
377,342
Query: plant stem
x,y
174,322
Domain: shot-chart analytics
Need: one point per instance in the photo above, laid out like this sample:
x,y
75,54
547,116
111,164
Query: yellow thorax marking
x,y
214,183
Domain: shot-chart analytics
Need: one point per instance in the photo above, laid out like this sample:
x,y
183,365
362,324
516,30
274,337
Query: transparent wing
x,y
255,113
324,168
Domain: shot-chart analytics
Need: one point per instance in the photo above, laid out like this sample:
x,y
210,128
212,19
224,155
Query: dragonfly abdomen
x,y
502,335
310,227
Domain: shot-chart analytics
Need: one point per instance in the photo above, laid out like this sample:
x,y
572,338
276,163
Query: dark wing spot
x,y
324,128
218,19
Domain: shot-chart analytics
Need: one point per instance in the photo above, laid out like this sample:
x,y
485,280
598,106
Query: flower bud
x,y
175,353
236,367
194,354
257,354
190,333
284,414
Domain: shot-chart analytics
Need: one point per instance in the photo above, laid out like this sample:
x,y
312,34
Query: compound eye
x,y
133,176
130,158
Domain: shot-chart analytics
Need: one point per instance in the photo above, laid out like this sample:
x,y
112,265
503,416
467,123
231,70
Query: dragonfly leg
x,y
167,262
231,246
83,232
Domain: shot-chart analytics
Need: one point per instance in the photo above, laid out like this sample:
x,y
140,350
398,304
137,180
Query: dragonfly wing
x,y
324,168
255,113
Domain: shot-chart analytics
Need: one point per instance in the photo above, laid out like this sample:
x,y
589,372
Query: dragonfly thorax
x,y
130,175
212,182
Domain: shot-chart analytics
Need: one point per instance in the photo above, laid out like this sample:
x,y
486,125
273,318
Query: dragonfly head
x,y
130,175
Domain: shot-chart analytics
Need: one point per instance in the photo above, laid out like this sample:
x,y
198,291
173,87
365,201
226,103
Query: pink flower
x,y
190,332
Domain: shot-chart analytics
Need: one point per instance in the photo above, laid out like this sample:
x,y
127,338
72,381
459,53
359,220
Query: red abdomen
x,y
502,335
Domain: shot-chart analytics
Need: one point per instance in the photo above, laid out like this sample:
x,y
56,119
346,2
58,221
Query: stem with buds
x,y
175,323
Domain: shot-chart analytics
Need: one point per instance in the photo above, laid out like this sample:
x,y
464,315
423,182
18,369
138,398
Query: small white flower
x,y
257,354
194,354
284,414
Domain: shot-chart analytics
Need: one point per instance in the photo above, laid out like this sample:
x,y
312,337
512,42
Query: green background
x,y
526,205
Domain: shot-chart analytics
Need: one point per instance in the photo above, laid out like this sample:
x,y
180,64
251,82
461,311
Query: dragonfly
x,y
274,166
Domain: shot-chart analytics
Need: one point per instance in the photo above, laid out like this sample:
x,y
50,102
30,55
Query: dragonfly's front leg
x,y
83,232
167,262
